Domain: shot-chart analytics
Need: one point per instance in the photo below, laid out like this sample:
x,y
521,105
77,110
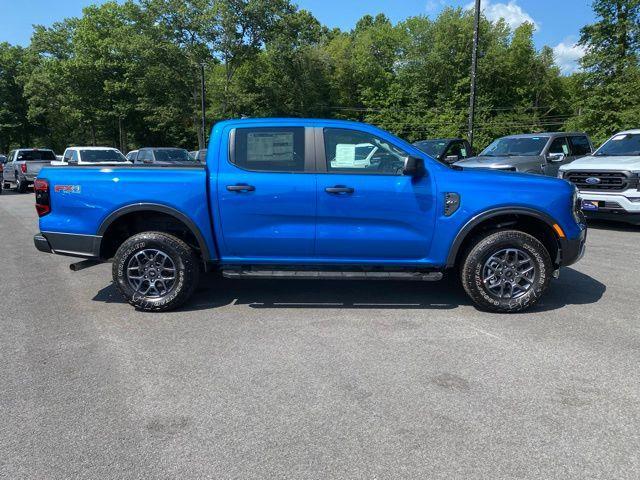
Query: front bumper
x,y
621,207
73,245
573,250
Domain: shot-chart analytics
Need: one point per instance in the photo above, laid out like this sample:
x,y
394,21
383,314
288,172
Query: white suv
x,y
609,179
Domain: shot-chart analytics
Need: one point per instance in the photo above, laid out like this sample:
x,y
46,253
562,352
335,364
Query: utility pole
x,y
474,71
204,106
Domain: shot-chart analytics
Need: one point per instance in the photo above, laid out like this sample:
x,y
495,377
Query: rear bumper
x,y
73,245
41,243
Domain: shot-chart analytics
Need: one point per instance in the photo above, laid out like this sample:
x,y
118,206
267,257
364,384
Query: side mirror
x,y
147,160
72,161
556,157
414,167
451,158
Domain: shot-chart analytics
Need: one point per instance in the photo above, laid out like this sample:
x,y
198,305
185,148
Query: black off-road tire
x,y
187,266
484,247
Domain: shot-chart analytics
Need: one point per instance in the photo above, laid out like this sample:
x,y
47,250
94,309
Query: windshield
x,y
29,155
433,148
106,155
511,146
622,145
173,155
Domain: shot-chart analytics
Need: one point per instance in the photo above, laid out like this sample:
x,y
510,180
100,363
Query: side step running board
x,y
333,275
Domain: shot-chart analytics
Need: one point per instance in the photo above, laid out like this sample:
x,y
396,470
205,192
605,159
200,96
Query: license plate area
x,y
590,205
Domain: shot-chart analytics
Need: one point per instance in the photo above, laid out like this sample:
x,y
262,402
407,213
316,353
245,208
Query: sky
x,y
558,22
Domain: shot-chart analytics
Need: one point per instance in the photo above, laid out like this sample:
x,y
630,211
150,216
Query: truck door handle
x,y
339,189
241,188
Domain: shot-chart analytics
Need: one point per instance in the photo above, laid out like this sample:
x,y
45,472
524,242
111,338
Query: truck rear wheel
x,y
21,185
155,271
506,271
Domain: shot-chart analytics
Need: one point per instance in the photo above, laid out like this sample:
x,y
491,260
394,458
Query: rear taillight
x,y
1,167
23,167
43,199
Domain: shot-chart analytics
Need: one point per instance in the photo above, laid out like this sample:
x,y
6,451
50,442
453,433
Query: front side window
x,y
433,148
279,149
515,146
352,151
621,145
580,145
559,145
67,156
144,155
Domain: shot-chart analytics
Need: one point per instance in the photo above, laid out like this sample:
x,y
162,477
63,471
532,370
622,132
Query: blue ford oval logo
x,y
592,180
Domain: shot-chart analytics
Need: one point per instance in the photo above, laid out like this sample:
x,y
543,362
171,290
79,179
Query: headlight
x,y
576,206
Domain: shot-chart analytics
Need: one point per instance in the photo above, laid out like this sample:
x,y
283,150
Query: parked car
x,y
90,156
448,150
541,153
200,155
3,161
280,198
164,156
131,156
23,166
609,180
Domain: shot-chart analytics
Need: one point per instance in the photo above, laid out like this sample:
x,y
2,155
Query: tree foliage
x,y
128,74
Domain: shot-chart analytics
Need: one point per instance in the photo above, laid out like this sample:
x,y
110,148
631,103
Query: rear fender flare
x,y
154,207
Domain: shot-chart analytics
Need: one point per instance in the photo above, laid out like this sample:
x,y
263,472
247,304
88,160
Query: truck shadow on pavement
x,y
615,226
572,288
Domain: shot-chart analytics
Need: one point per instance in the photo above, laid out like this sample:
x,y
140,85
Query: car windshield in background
x,y
433,148
102,156
509,147
623,145
173,155
28,155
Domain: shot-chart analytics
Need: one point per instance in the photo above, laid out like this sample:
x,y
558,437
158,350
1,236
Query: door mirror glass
x,y
556,157
413,166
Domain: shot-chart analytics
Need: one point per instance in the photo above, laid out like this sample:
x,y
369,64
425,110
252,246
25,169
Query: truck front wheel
x,y
506,271
155,271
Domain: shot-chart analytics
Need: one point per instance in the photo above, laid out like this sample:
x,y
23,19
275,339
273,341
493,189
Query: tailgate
x,y
34,166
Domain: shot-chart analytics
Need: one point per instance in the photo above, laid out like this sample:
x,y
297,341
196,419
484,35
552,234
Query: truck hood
x,y
604,163
493,162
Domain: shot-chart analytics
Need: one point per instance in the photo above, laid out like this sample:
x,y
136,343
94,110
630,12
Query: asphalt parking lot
x,y
284,379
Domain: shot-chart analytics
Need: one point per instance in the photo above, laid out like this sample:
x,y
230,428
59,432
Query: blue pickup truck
x,y
312,199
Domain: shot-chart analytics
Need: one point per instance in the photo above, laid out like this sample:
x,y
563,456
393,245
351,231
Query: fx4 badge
x,y
67,188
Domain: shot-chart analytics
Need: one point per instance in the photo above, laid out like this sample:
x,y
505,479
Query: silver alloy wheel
x,y
151,273
509,273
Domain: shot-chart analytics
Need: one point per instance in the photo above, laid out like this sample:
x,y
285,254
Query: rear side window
x,y
268,149
29,155
580,145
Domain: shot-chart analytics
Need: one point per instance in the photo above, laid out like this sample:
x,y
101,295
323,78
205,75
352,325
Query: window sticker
x,y
270,147
345,156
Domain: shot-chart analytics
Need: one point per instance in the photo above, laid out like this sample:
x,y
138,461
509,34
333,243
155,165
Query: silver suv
x,y
541,153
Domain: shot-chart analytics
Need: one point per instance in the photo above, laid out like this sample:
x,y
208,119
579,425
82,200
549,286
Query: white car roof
x,y
92,148
635,131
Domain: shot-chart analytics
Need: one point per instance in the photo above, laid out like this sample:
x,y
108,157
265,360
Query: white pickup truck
x,y
609,179
90,156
